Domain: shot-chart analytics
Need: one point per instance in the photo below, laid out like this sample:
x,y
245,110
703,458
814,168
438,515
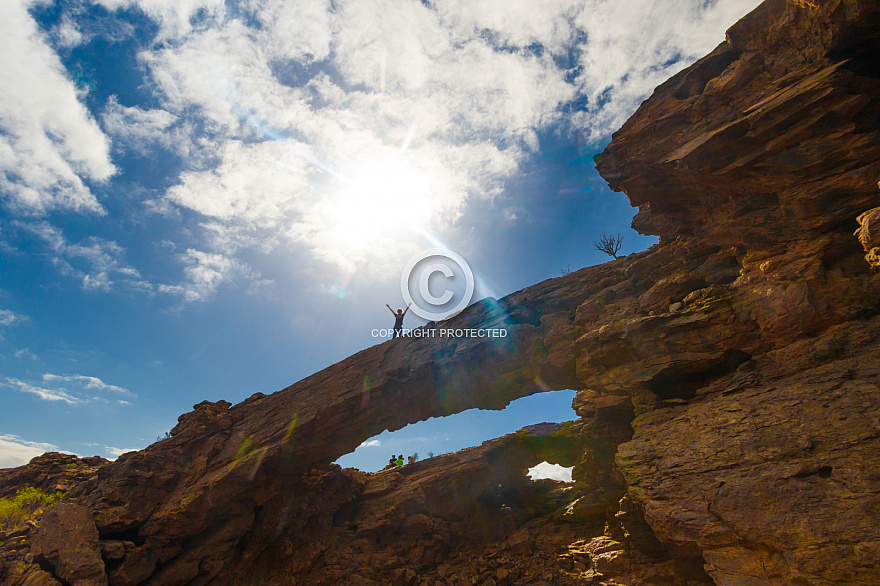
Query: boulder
x,y
68,542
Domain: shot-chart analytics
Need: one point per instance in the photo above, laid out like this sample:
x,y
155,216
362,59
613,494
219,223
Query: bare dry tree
x,y
610,245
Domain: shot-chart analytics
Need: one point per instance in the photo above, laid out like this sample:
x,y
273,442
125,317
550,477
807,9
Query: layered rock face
x,y
769,148
727,380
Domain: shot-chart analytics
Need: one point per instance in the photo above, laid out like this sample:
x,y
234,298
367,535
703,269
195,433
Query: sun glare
x,y
380,202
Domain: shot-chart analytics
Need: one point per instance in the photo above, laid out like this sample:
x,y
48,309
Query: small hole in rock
x,y
546,470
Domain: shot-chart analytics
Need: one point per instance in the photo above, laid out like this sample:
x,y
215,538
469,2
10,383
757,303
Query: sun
x,y
380,202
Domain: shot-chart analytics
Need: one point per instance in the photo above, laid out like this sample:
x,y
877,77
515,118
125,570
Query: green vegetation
x,y
26,503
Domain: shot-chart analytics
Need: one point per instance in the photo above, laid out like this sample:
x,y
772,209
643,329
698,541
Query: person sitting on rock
x,y
392,463
399,460
398,318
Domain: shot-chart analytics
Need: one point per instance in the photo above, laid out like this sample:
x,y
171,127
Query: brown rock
x,y
52,472
521,542
873,257
39,578
137,565
112,550
68,542
869,231
869,235
416,525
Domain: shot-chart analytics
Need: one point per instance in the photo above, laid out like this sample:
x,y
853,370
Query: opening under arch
x,y
442,435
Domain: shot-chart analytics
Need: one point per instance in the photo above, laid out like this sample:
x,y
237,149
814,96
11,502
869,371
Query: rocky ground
x,y
728,382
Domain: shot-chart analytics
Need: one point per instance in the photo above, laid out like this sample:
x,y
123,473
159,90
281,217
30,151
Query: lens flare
x,y
365,393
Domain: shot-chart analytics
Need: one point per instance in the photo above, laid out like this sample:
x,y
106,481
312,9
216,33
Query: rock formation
x,y
869,235
727,378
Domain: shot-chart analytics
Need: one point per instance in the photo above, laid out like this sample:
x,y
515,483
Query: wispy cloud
x,y
66,34
142,131
9,318
90,383
73,389
49,144
100,265
374,443
43,393
97,263
204,272
25,353
15,451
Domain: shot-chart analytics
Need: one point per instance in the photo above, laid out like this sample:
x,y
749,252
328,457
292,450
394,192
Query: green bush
x,y
31,498
27,501
11,515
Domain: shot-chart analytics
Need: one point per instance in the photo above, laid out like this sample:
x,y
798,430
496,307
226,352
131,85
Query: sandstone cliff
x,y
727,381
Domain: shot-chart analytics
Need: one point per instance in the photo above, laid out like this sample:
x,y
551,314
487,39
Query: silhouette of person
x,y
398,318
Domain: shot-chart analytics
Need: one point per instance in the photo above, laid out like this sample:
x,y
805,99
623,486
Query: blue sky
x,y
204,199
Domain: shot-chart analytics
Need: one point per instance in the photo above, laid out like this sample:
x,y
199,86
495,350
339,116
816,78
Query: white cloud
x,y
141,131
49,144
77,390
634,46
295,29
464,113
545,470
256,184
515,22
174,16
116,452
298,107
204,272
67,34
15,451
374,443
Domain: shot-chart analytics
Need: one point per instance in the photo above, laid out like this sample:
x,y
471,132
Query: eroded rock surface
x,y
727,378
869,235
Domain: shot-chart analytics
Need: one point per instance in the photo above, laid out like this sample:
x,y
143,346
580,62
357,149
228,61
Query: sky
x,y
200,200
